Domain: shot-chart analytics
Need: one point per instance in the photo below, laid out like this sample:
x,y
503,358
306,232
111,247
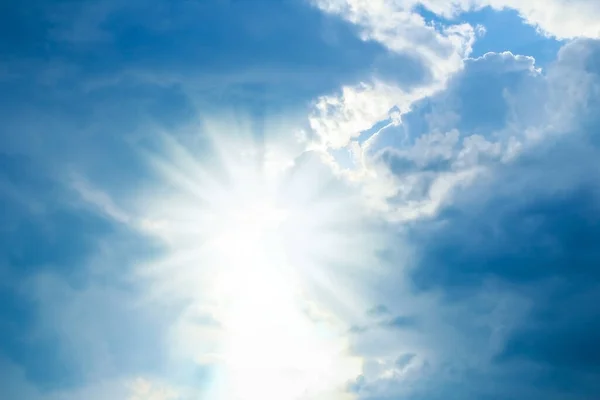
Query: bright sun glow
x,y
251,244
272,350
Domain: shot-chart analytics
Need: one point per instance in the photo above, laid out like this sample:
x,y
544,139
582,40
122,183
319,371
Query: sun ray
x,y
255,245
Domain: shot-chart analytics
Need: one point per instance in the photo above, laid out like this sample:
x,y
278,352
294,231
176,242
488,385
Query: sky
x,y
299,200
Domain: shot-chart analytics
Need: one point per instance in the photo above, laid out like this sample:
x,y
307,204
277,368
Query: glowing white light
x,y
248,225
249,249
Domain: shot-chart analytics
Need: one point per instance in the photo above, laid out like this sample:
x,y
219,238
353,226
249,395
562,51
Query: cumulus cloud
x,y
496,274
408,167
439,50
398,27
340,118
559,18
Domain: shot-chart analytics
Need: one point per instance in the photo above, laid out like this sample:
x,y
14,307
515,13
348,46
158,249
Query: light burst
x,y
256,244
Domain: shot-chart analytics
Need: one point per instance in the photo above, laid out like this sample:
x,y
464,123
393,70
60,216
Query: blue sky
x,y
299,200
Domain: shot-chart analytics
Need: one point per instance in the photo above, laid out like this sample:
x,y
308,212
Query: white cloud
x,y
339,119
564,19
440,50
503,63
395,25
336,119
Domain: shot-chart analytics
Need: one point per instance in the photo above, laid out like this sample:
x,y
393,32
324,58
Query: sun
x,y
247,219
252,244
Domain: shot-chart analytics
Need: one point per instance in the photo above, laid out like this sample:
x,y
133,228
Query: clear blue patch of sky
x,y
506,31
343,157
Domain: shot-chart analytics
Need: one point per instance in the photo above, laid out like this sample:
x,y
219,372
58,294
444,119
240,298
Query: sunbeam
x,y
253,243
